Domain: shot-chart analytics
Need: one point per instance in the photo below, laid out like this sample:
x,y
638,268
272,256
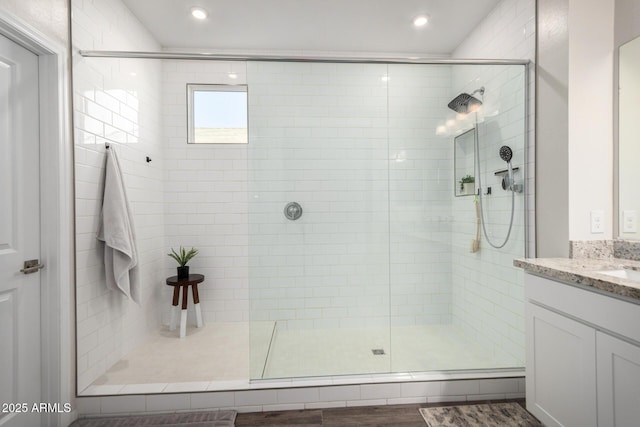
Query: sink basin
x,y
623,273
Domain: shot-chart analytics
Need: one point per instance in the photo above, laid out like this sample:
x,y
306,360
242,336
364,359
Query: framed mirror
x,y
629,141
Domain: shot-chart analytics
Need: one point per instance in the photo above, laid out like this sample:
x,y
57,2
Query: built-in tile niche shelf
x,y
464,164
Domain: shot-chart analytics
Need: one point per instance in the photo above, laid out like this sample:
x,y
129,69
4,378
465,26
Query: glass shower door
x,y
456,305
318,219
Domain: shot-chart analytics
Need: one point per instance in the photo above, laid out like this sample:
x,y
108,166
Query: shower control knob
x,y
293,211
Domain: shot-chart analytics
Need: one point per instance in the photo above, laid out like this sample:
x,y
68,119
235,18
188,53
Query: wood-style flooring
x,y
369,416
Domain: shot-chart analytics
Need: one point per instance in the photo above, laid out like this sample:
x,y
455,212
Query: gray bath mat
x,y
190,419
485,415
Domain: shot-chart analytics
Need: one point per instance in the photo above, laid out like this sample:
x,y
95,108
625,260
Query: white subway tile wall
x,y
116,102
420,192
318,137
355,146
488,295
205,196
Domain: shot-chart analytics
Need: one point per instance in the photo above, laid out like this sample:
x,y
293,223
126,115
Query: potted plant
x,y
182,257
467,185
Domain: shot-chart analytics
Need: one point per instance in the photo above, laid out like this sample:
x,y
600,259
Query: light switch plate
x,y
597,222
629,221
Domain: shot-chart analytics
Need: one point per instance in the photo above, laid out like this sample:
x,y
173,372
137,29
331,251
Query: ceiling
x,y
366,26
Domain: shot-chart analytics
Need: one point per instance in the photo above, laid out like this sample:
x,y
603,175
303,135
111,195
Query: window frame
x,y
211,87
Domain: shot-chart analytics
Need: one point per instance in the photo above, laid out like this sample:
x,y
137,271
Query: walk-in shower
x,y
334,242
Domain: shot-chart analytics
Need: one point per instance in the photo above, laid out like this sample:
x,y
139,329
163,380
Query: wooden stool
x,y
184,284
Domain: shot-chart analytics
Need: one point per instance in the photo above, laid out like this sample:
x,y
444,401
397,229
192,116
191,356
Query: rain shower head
x,y
465,103
505,153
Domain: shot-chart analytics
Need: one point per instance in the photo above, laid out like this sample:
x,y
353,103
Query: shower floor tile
x,y
217,356
321,352
443,348
349,351
216,352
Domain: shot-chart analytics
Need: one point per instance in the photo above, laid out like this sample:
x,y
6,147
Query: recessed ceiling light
x,y
232,75
199,13
420,20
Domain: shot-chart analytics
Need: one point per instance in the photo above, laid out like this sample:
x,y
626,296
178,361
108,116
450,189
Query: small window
x,y
217,114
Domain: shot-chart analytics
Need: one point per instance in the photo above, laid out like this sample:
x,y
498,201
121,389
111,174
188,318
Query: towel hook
x,y
148,159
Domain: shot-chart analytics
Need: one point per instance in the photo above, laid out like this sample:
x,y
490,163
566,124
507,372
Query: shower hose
x,y
511,187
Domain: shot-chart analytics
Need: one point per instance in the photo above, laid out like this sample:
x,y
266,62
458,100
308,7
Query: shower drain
x,y
377,351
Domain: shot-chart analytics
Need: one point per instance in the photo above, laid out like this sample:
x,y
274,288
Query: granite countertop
x,y
583,271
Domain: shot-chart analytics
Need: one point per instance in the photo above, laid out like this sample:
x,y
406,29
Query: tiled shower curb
x,y
314,393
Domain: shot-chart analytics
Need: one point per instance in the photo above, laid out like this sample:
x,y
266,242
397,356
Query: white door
x,y
20,381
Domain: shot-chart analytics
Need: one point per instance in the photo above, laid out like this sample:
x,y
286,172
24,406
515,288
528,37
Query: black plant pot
x,y
183,272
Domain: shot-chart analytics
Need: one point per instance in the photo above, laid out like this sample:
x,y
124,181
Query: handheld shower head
x,y
505,153
507,181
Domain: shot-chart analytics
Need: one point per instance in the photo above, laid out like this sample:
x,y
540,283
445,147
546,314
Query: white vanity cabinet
x,y
582,356
560,369
618,377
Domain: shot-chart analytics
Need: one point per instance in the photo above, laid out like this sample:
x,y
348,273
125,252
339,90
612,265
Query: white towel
x,y
117,231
